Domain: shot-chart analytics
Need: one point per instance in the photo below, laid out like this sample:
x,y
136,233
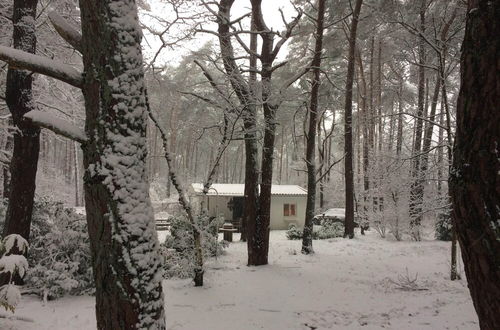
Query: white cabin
x,y
288,203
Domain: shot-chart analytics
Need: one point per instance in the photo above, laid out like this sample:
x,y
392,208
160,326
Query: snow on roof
x,y
237,189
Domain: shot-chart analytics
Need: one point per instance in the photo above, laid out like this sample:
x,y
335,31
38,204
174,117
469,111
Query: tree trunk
x,y
307,247
5,167
474,178
379,97
76,173
244,92
367,133
417,187
429,128
348,171
399,135
19,99
127,266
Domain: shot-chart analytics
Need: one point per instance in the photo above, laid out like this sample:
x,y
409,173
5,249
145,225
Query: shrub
x,y
59,257
293,233
178,248
443,227
12,265
328,229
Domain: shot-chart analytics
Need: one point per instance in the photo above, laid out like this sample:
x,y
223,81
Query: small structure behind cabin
x,y
288,203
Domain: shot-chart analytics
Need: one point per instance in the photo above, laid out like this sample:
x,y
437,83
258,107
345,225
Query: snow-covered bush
x,y
329,229
60,252
59,256
178,248
12,264
293,233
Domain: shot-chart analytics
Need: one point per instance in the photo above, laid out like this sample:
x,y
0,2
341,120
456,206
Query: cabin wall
x,y
281,222
217,206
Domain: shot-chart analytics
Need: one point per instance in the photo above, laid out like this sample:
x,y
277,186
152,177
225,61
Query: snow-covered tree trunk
x,y
124,244
474,178
19,98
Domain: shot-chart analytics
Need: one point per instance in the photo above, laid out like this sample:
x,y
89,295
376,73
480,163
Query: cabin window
x,y
289,210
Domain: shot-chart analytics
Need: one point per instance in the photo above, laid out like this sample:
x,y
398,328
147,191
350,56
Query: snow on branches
x,y
12,264
57,125
39,64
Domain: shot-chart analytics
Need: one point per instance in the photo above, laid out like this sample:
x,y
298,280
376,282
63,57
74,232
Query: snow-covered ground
x,y
347,284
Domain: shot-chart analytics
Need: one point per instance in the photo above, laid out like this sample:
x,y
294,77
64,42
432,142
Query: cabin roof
x,y
237,189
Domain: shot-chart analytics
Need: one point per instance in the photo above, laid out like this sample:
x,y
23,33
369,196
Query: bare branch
x,y
329,169
212,82
294,78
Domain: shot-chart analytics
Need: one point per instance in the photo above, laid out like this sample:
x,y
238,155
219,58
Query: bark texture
x,y
244,92
475,176
124,245
19,99
348,160
417,187
307,246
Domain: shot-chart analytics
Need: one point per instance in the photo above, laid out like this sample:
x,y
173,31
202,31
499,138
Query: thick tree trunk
x,y
6,169
244,92
348,170
251,204
19,99
474,179
307,246
123,241
258,241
